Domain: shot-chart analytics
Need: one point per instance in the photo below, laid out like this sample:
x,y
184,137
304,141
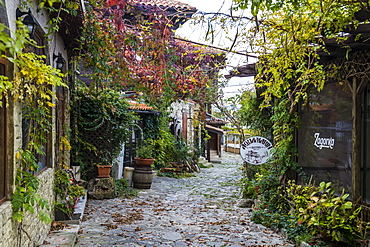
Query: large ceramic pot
x,y
104,171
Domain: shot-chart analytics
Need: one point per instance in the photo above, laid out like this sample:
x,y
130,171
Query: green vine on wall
x,y
102,122
31,87
288,37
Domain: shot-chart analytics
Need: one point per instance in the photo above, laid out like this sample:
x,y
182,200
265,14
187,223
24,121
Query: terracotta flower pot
x,y
104,171
143,162
257,189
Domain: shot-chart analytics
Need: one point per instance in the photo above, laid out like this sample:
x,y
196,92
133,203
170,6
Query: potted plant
x,y
103,170
143,174
144,154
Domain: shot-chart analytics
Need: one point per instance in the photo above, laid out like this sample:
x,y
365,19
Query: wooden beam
x,y
357,89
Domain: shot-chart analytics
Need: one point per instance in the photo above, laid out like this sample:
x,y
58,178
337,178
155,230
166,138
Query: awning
x,y
214,129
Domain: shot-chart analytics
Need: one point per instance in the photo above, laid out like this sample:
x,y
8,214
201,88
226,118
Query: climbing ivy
x,y
102,122
31,87
287,36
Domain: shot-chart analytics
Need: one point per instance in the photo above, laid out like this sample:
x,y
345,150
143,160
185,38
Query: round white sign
x,y
256,150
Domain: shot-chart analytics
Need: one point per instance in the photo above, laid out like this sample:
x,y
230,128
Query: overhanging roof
x,y
214,129
165,4
70,26
140,106
243,71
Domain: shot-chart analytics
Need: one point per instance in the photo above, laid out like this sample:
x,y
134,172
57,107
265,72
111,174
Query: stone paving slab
x,y
196,211
62,238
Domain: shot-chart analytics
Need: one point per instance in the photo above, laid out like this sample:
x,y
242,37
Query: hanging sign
x,y
256,150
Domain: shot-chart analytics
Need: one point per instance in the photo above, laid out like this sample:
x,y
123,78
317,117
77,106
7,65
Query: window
x,y
3,143
39,38
325,137
27,125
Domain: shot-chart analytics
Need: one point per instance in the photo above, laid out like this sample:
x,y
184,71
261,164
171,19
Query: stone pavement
x,y
195,211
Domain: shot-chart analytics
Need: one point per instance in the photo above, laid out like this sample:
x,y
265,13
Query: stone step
x,y
67,237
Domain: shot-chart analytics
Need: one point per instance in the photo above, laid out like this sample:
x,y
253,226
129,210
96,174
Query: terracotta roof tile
x,y
166,3
214,120
196,47
140,106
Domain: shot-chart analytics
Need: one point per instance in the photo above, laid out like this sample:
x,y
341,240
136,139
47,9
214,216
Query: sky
x,y
197,33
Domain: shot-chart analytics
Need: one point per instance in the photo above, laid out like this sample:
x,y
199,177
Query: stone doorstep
x,y
214,159
68,235
65,237
205,162
80,208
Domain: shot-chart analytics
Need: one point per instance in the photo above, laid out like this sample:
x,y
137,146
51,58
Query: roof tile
x,y
140,106
167,3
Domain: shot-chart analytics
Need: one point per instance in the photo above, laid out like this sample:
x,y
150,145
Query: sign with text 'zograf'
x,y
256,150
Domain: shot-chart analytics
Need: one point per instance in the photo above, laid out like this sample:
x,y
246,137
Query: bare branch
x,y
228,15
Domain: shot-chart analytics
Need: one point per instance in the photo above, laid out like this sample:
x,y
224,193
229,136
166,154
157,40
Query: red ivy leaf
x,y
111,3
122,4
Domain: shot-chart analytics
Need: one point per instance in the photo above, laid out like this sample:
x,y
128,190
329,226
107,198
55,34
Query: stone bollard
x,y
127,174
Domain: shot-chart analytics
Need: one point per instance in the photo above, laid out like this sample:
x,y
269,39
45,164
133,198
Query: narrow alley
x,y
195,211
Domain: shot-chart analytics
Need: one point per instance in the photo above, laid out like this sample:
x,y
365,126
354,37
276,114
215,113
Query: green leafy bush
x,y
318,211
248,190
269,216
325,213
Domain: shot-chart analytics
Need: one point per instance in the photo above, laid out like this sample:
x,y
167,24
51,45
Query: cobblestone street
x,y
195,211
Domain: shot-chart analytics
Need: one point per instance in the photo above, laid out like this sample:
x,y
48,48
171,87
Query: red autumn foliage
x,y
134,48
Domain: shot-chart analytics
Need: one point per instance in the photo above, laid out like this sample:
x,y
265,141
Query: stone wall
x,y
37,230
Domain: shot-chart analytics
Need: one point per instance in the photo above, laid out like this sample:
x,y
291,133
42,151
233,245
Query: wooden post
x,y
357,90
208,149
219,144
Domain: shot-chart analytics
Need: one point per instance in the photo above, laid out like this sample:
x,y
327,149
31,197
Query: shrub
x,y
269,216
123,189
324,213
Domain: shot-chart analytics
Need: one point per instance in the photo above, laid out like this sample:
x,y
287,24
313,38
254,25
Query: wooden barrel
x,y
142,177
